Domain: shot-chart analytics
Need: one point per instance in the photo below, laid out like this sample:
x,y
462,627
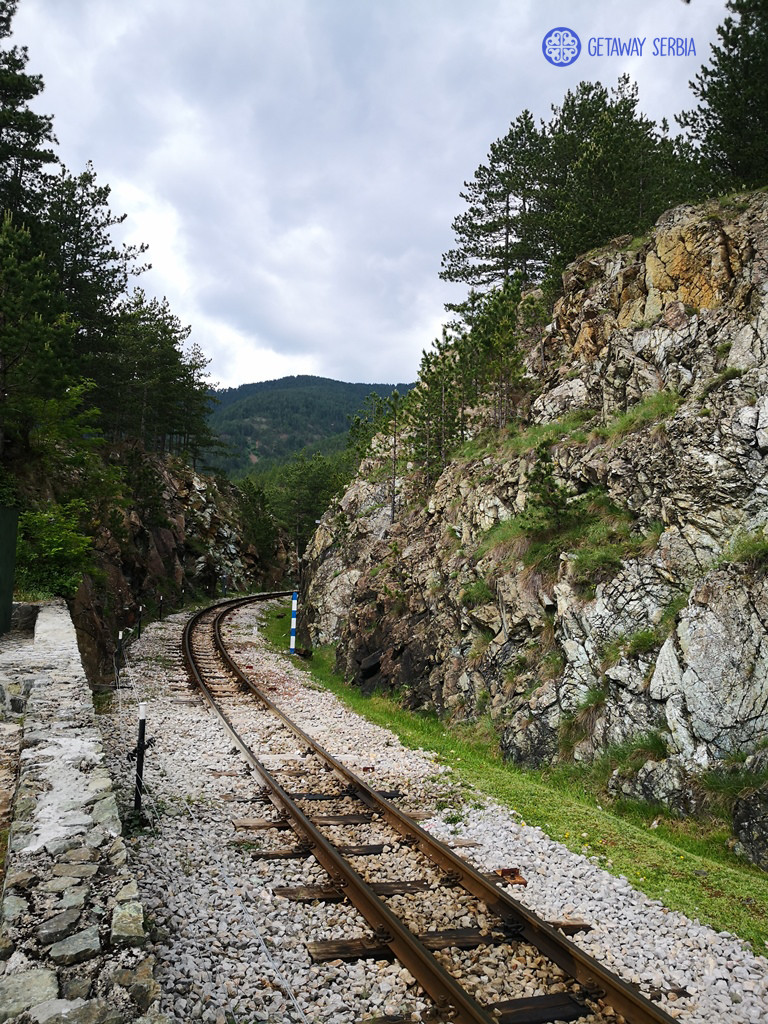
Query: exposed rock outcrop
x,y
652,379
180,536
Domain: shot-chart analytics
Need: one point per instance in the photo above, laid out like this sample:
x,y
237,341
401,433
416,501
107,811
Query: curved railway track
x,y
353,802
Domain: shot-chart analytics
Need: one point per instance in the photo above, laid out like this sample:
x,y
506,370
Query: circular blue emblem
x,y
561,46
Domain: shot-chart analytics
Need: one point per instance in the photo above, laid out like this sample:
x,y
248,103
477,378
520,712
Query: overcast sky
x,y
295,165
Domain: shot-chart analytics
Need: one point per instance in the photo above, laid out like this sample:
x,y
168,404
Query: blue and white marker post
x,y
294,607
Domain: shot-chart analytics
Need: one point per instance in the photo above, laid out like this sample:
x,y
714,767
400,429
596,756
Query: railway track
x,y
311,797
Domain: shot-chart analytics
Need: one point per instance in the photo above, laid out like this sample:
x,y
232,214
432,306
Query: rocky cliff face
x,y
646,621
180,537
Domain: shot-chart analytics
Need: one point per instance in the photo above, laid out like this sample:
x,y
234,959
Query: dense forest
x,y
95,374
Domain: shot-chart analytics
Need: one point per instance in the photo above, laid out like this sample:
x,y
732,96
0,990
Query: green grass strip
x,y
684,864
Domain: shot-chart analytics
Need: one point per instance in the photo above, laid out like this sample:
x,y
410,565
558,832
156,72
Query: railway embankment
x,y
228,942
231,943
72,938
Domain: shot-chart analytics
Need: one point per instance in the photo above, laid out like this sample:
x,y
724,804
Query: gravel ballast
x,y
229,950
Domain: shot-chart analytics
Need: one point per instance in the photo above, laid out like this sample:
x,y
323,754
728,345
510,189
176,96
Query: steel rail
x,y
446,992
585,969
597,980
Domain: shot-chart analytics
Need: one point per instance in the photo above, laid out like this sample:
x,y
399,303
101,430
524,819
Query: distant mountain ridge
x,y
266,422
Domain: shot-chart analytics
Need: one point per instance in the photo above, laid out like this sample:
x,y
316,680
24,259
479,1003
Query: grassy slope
x,y
686,865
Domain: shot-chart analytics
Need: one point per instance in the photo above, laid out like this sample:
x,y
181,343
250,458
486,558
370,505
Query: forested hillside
x,y
264,424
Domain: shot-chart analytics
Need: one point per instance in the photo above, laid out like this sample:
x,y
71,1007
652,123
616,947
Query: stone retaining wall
x,y
72,924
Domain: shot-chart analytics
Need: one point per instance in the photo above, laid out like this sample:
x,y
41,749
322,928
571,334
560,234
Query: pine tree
x,y
730,125
496,333
300,491
434,413
35,336
610,171
496,236
599,168
151,387
394,408
364,426
26,137
93,271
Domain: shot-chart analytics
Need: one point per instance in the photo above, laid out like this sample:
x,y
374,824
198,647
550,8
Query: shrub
x,y
593,564
722,378
52,552
498,535
479,646
551,666
750,549
591,706
575,726
611,653
590,525
568,735
630,755
722,787
643,641
477,593
668,620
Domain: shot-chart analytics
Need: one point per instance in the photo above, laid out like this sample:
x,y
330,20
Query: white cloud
x,y
242,359
295,166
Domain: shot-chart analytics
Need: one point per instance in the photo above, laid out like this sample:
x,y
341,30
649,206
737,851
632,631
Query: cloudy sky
x,y
295,165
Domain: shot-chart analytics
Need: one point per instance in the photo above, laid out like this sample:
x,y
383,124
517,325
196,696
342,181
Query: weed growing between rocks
x,y
596,533
722,788
750,549
657,407
564,430
476,594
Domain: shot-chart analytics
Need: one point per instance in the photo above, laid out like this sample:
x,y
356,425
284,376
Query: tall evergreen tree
x,y
610,171
434,413
26,137
35,337
364,425
496,236
394,408
299,492
597,169
496,335
730,124
93,270
150,386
